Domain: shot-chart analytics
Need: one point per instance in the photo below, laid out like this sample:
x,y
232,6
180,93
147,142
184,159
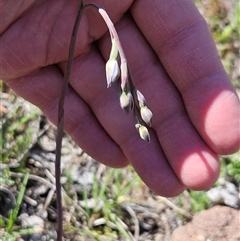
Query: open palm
x,y
173,61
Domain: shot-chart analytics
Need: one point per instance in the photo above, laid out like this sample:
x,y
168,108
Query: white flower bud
x,y
146,115
143,132
112,71
126,101
141,98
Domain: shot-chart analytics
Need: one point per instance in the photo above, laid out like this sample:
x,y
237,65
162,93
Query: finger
x,y
11,10
195,164
43,35
43,88
89,81
180,37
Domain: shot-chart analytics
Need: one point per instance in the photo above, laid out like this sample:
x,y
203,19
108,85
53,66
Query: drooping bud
x,y
146,115
141,98
143,132
126,101
112,67
112,71
124,74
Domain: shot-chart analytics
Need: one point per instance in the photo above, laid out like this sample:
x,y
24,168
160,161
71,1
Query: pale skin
x,y
173,61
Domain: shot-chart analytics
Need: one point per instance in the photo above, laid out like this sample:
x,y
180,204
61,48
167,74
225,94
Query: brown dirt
x,y
219,223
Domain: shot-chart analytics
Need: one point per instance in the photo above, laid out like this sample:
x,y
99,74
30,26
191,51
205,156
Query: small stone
x,y
47,143
92,203
87,178
99,222
230,199
41,190
40,212
225,193
32,221
214,194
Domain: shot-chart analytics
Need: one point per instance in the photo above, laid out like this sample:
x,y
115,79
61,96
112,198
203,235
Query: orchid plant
x,y
131,99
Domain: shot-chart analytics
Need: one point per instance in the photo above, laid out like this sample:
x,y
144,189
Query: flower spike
x,y
129,94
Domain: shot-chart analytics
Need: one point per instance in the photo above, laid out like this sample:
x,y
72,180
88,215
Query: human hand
x,y
173,62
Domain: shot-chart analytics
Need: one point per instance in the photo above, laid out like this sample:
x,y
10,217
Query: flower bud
x,y
143,132
141,98
124,74
146,115
126,101
112,71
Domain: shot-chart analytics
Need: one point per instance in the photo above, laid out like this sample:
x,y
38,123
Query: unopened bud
x,y
126,101
141,98
146,115
112,71
124,74
143,132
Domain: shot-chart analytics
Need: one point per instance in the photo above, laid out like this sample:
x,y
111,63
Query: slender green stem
x,y
60,125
